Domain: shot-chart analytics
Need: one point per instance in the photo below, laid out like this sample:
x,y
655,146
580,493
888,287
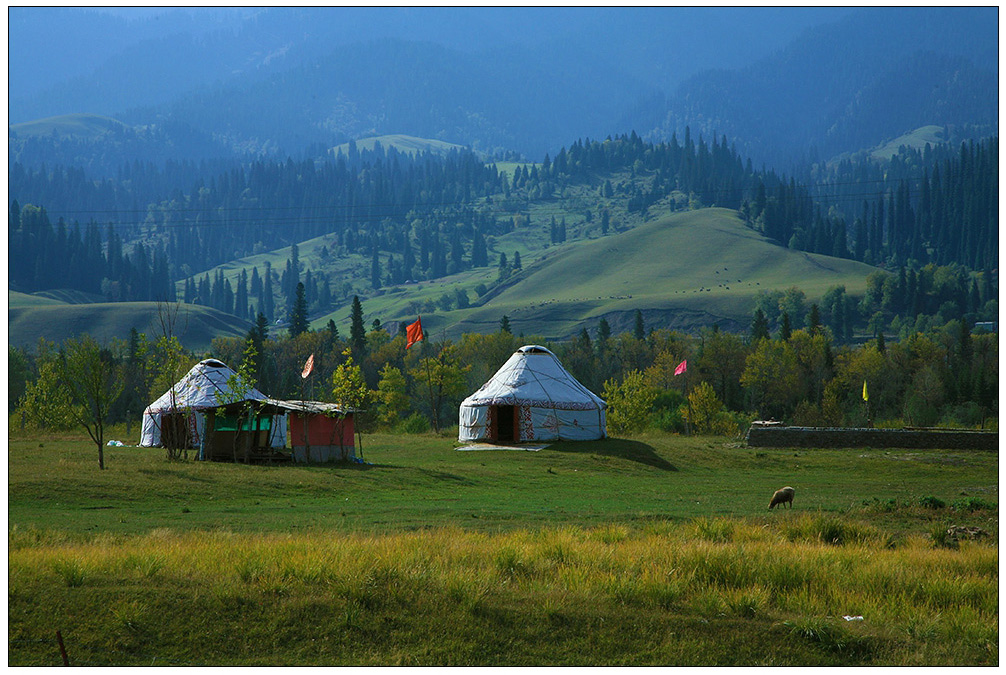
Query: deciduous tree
x,y
92,384
629,402
442,377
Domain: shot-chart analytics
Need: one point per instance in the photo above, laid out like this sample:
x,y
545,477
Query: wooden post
x,y
688,429
62,648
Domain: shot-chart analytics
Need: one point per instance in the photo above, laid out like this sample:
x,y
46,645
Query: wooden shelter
x,y
320,432
241,431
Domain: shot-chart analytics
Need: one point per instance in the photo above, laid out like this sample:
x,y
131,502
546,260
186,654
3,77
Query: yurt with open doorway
x,y
532,398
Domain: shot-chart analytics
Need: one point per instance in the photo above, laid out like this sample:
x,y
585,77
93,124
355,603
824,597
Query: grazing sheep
x,y
782,496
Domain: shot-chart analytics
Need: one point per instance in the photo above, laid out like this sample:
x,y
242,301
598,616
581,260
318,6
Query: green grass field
x,y
654,550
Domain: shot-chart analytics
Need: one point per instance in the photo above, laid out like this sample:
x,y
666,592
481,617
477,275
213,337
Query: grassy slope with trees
x,y
426,218
683,271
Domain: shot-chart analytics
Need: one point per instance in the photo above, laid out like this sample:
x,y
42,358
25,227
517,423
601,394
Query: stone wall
x,y
827,437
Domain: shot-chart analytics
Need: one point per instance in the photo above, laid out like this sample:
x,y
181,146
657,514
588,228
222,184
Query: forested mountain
x,y
841,87
528,80
465,69
426,216
209,159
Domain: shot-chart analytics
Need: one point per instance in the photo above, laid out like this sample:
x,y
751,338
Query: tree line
x,y
425,216
65,256
934,205
713,382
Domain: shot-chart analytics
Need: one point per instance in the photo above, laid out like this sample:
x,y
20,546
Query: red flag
x,y
308,367
414,332
682,367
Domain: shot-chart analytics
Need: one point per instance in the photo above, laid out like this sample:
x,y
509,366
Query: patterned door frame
x,y
523,425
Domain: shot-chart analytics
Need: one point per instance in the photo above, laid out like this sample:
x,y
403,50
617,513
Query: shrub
x,y
964,416
969,504
671,421
831,530
414,424
748,603
703,408
727,423
941,537
72,571
821,632
629,402
807,414
931,502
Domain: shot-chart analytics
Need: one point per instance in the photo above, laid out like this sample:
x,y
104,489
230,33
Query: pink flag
x,y
682,367
308,367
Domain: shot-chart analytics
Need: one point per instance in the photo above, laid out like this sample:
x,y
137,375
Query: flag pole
x,y
866,402
688,417
682,369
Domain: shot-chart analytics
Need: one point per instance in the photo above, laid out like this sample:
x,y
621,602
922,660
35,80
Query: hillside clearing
x,y
196,326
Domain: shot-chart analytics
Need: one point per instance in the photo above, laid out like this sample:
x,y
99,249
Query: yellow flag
x,y
866,396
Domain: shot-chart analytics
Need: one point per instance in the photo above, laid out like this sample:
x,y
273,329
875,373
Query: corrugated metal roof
x,y
311,407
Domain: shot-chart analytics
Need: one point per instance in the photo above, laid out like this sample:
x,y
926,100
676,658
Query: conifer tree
x,y
357,331
785,328
814,320
268,301
298,315
759,326
375,270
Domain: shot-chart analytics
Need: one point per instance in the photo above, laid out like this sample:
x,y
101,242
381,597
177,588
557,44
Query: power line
x,y
388,210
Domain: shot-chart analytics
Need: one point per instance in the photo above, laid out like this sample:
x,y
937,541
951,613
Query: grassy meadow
x,y
31,316
711,269
75,125
654,550
409,145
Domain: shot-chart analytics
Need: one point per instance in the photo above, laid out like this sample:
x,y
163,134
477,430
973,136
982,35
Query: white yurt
x,y
532,398
178,410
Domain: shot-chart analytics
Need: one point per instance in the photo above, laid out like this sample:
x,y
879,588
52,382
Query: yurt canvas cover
x,y
202,387
532,398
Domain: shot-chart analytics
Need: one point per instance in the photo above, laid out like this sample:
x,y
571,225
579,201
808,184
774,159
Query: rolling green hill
x,y
81,126
196,325
682,271
409,145
917,139
15,299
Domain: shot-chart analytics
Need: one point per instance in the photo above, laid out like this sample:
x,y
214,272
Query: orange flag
x,y
414,332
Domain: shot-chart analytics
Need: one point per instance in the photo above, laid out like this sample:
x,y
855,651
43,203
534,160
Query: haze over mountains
x,y
782,84
447,161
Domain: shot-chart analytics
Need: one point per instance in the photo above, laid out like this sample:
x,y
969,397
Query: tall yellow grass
x,y
920,599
